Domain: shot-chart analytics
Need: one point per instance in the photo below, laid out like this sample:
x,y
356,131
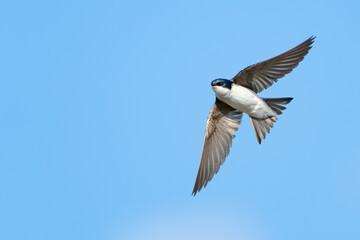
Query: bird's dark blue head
x,y
222,83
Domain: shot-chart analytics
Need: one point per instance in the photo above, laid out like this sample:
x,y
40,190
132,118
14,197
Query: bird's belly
x,y
248,102
241,103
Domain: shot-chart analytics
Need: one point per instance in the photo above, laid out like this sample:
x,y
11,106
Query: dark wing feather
x,y
223,121
260,76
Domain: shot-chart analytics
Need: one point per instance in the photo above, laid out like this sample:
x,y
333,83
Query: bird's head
x,y
221,86
220,82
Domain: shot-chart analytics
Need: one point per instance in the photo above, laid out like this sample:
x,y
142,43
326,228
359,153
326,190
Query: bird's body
x,y
237,96
244,100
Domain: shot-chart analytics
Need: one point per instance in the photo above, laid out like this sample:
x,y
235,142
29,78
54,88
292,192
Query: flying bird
x,y
237,96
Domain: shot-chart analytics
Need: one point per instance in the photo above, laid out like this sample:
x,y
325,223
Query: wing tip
x,y
311,40
196,190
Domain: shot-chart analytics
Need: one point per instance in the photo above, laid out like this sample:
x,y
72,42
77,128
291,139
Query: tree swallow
x,y
237,96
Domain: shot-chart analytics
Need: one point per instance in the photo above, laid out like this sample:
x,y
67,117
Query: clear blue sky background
x,y
103,107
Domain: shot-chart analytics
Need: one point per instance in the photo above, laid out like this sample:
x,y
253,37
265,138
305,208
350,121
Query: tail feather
x,y
276,104
262,126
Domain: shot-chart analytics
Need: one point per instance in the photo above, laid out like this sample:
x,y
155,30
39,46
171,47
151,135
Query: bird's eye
x,y
219,84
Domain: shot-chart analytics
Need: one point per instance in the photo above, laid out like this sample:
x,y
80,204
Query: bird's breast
x,y
245,100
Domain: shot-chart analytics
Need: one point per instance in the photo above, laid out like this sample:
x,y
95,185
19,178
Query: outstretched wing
x,y
260,76
223,121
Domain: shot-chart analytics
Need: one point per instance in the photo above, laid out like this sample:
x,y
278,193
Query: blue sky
x,y
103,111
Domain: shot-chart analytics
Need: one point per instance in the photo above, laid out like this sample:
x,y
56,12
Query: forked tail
x,y
261,126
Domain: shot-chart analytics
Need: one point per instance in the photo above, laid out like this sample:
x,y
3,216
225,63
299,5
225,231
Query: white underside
x,y
244,100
